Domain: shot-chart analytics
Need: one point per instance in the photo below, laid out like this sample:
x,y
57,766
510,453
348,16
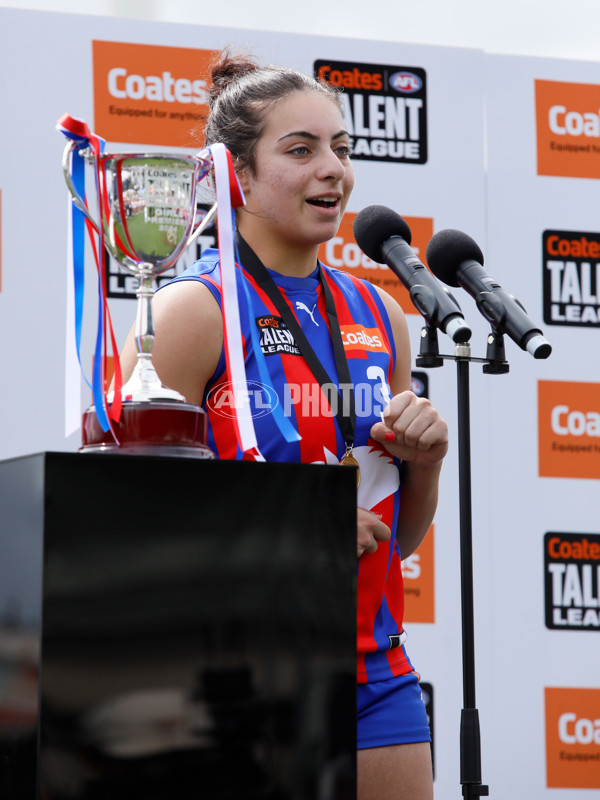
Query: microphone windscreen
x,y
447,250
374,225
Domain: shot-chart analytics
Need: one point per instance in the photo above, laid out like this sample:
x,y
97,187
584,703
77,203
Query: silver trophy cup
x,y
148,210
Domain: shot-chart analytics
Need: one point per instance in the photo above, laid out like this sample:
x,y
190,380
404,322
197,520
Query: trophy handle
x,y
71,147
203,225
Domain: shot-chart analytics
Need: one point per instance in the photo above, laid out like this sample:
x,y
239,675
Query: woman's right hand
x,y
369,531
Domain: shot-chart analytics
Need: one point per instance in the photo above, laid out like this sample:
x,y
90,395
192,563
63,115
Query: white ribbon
x,y
234,352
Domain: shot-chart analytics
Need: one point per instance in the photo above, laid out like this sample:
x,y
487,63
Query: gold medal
x,y
349,461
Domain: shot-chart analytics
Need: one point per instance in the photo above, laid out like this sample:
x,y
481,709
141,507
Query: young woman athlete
x,y
291,152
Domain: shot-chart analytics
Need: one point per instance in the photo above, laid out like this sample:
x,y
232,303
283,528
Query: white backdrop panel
x,y
521,205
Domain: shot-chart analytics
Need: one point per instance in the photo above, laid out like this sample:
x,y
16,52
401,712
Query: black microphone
x,y
457,260
385,238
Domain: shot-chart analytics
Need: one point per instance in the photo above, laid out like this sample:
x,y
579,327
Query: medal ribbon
x,y
289,433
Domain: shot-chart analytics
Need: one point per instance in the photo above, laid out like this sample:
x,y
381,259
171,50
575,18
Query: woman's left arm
x,y
420,439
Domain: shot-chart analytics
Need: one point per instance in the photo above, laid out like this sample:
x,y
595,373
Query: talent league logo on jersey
x,y
572,581
572,738
568,129
343,253
569,429
571,264
275,336
149,94
385,109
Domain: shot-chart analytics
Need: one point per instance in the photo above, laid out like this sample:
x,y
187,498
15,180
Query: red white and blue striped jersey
x,y
369,348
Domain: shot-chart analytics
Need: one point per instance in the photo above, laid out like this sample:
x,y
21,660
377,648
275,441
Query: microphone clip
x,y
429,351
494,363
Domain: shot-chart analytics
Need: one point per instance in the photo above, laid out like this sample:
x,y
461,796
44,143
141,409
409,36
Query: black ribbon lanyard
x,y
346,421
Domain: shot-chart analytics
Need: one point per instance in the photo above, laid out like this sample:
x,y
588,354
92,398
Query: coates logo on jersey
x,y
572,582
568,129
419,582
343,253
385,109
571,263
149,94
357,339
569,429
572,738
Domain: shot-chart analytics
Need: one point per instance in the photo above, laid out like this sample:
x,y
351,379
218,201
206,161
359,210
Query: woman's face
x,y
303,174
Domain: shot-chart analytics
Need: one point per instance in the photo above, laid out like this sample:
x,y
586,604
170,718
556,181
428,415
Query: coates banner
x,y
572,738
343,253
571,264
149,94
419,582
569,429
572,584
385,109
568,129
418,570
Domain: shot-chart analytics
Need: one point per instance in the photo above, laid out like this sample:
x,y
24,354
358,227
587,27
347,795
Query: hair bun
x,y
228,69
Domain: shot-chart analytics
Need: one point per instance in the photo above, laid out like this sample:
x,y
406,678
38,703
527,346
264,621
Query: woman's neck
x,y
298,262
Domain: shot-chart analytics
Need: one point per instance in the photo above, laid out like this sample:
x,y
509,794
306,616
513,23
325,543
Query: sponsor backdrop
x,y
506,149
543,427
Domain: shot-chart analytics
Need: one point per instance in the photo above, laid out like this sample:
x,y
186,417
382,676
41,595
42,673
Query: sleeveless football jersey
x,y
369,348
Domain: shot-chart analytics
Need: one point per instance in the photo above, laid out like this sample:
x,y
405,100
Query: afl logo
x,y
406,82
242,399
417,386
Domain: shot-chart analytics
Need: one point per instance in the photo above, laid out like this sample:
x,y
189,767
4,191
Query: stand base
x,y
150,428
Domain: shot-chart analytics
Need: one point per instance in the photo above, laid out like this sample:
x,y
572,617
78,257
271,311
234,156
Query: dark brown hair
x,y
241,95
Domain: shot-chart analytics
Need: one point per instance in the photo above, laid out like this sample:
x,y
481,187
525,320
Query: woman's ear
x,y
244,183
244,179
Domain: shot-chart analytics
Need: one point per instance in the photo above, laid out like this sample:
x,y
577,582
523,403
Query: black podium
x,y
188,626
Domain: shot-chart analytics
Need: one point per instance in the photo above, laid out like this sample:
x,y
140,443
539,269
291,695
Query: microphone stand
x,y
495,363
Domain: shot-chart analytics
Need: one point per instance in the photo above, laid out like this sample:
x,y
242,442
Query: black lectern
x,y
189,626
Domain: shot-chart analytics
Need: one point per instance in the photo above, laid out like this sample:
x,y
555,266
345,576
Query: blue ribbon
x,y
78,225
78,230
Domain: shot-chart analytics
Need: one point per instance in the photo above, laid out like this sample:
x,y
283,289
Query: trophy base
x,y
147,428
